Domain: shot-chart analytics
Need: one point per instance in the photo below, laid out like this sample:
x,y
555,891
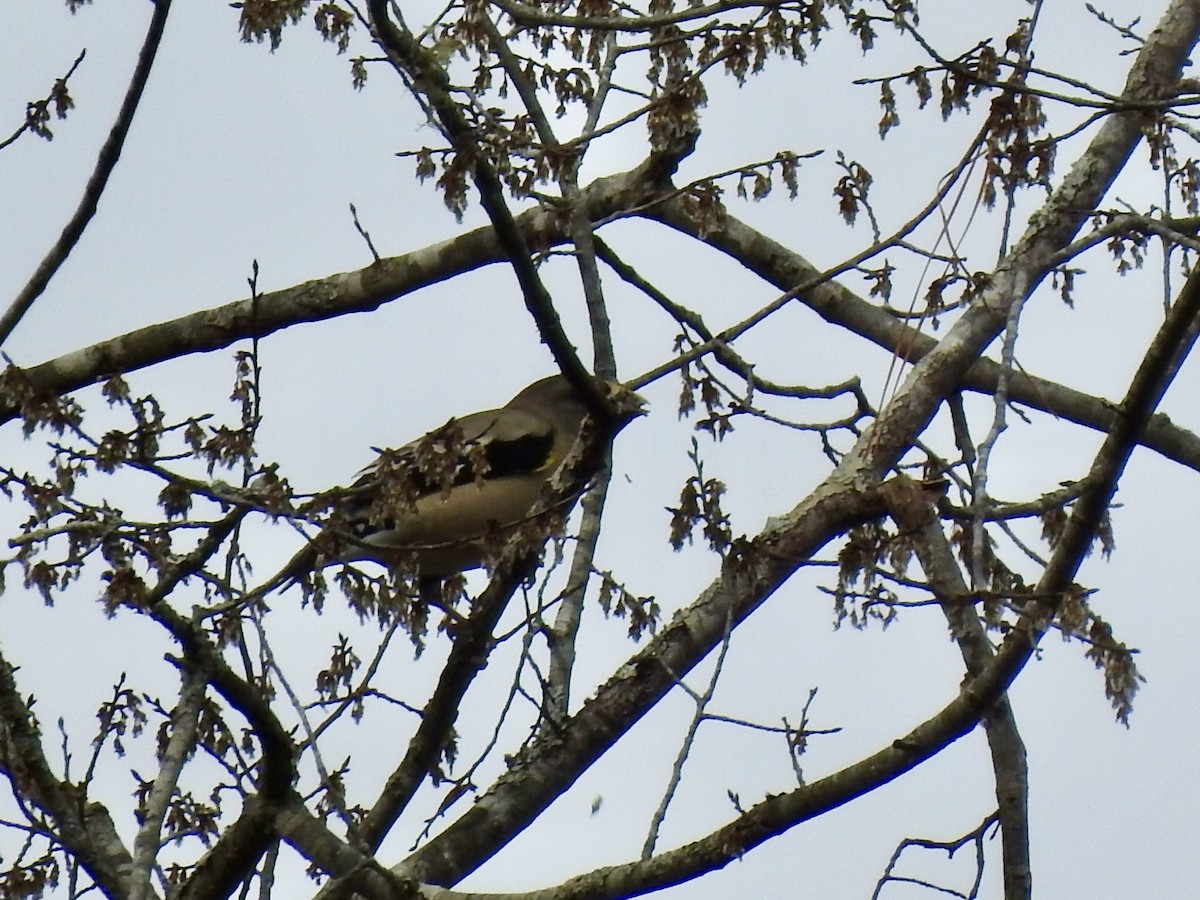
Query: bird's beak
x,y
626,404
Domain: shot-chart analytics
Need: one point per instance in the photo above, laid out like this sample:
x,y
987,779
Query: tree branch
x,y
913,514
785,269
554,762
426,77
473,642
110,152
363,290
86,831
148,840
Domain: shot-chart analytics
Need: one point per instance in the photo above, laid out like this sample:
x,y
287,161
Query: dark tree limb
x,y
355,870
473,643
846,496
110,152
426,77
85,830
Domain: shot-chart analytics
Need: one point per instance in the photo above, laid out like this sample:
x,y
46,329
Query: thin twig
x,y
701,702
59,85
979,502
366,235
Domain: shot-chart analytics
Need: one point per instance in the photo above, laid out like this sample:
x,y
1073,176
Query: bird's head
x,y
624,403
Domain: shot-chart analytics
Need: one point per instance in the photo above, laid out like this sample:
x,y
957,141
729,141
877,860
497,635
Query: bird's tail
x,y
305,560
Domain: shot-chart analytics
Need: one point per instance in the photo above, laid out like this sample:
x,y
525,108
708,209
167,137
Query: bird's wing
x,y
506,442
440,495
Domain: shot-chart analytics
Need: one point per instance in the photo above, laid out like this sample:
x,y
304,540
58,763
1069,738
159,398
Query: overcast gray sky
x,y
239,155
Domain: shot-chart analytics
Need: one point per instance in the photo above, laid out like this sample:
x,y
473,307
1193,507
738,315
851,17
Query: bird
x,y
447,502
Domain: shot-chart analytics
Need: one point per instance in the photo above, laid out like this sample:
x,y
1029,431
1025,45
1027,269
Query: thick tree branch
x,y
845,496
356,871
358,291
84,829
785,269
233,857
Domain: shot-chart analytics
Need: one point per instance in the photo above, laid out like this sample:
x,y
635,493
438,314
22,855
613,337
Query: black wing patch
x,y
529,453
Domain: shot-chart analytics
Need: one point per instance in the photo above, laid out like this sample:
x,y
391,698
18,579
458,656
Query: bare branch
x,y
110,152
913,514
84,830
426,76
701,702
362,290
